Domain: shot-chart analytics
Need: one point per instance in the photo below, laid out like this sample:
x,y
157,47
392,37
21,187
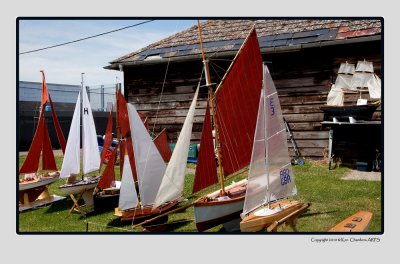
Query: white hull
x,y
80,186
213,212
209,212
43,181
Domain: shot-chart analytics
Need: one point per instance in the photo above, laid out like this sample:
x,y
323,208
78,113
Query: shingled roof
x,y
224,37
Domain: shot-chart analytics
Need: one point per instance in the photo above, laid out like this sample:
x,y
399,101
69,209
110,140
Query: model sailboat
x,y
90,159
234,112
354,80
34,184
271,176
160,187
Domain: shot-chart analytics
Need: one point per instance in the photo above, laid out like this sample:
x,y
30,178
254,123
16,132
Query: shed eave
x,y
264,50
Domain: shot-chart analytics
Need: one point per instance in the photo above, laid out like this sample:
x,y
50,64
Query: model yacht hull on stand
x,y
343,113
353,80
270,179
70,168
138,215
32,189
235,101
256,221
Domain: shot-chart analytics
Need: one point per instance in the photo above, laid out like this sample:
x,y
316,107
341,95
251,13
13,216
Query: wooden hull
x,y
138,215
358,222
254,223
210,212
80,186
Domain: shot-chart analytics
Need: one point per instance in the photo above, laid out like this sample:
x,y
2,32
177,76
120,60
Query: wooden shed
x,y
303,56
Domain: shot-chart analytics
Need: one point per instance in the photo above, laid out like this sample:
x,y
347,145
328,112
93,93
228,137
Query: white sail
x,y
335,96
173,180
71,161
150,165
274,179
346,68
365,66
343,81
128,196
90,148
360,80
258,178
374,87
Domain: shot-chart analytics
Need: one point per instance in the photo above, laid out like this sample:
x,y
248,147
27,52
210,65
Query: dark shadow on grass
x,y
167,227
62,205
308,214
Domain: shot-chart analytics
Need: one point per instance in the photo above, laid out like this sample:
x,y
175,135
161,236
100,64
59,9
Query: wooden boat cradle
x,y
276,222
291,219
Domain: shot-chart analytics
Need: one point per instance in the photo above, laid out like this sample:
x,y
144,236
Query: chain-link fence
x,y
102,97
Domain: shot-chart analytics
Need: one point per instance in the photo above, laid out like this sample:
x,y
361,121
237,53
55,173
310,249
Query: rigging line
x,y
162,87
165,174
156,117
229,144
219,77
94,36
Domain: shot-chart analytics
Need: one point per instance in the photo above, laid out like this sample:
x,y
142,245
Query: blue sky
x,y
64,64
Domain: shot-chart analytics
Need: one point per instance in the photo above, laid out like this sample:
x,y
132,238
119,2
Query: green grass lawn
x,y
331,198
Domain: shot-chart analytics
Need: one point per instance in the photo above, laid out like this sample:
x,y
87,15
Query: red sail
x,y
206,170
48,161
237,100
60,134
108,177
45,93
122,145
107,140
31,163
41,140
131,156
161,142
123,117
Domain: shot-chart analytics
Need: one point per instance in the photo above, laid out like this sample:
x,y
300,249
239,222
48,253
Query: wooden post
x,y
208,82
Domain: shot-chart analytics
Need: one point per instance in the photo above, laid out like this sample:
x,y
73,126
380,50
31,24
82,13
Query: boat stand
x,y
44,199
87,207
289,220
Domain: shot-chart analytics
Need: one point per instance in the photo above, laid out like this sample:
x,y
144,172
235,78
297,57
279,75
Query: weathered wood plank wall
x,y
302,79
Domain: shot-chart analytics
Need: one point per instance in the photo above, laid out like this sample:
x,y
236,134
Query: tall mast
x,y
117,128
208,82
266,137
82,116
